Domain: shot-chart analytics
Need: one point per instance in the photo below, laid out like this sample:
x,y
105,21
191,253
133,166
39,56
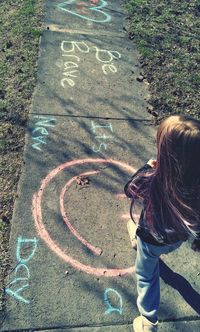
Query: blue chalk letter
x,y
20,242
107,302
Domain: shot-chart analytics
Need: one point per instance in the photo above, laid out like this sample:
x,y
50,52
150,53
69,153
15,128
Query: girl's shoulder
x,y
137,180
142,170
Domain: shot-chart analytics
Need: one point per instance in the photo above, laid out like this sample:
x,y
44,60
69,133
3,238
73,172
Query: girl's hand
x,y
196,245
152,163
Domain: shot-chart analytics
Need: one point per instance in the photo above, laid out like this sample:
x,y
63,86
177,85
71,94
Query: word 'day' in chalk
x,y
25,251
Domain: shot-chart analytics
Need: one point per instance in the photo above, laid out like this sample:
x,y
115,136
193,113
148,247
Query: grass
x,y
20,29
166,33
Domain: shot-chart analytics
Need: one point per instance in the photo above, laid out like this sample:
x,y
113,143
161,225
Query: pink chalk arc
x,y
43,233
96,251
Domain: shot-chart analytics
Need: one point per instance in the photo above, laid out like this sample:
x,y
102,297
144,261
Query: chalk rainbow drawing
x,y
92,8
43,233
96,251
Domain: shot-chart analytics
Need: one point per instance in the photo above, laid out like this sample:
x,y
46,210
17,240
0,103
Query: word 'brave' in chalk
x,y
71,63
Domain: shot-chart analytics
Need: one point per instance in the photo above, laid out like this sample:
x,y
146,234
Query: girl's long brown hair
x,y
172,191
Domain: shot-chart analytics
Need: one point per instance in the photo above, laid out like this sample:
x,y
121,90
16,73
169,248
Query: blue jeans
x,y
148,277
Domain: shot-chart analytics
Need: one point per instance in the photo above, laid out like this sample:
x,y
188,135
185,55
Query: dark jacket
x,y
169,236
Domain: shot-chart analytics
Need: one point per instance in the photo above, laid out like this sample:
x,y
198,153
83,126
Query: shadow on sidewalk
x,y
179,283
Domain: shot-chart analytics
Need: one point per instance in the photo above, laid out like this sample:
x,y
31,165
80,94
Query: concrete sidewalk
x,y
73,267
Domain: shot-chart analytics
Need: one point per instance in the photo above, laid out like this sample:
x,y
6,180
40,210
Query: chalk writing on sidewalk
x,y
102,138
107,301
44,234
95,13
82,5
40,131
71,65
22,273
107,57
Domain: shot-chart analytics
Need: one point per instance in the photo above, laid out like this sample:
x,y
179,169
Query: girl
x,y
169,189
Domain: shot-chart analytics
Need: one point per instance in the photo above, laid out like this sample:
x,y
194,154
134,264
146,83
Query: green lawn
x,y
167,34
20,28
